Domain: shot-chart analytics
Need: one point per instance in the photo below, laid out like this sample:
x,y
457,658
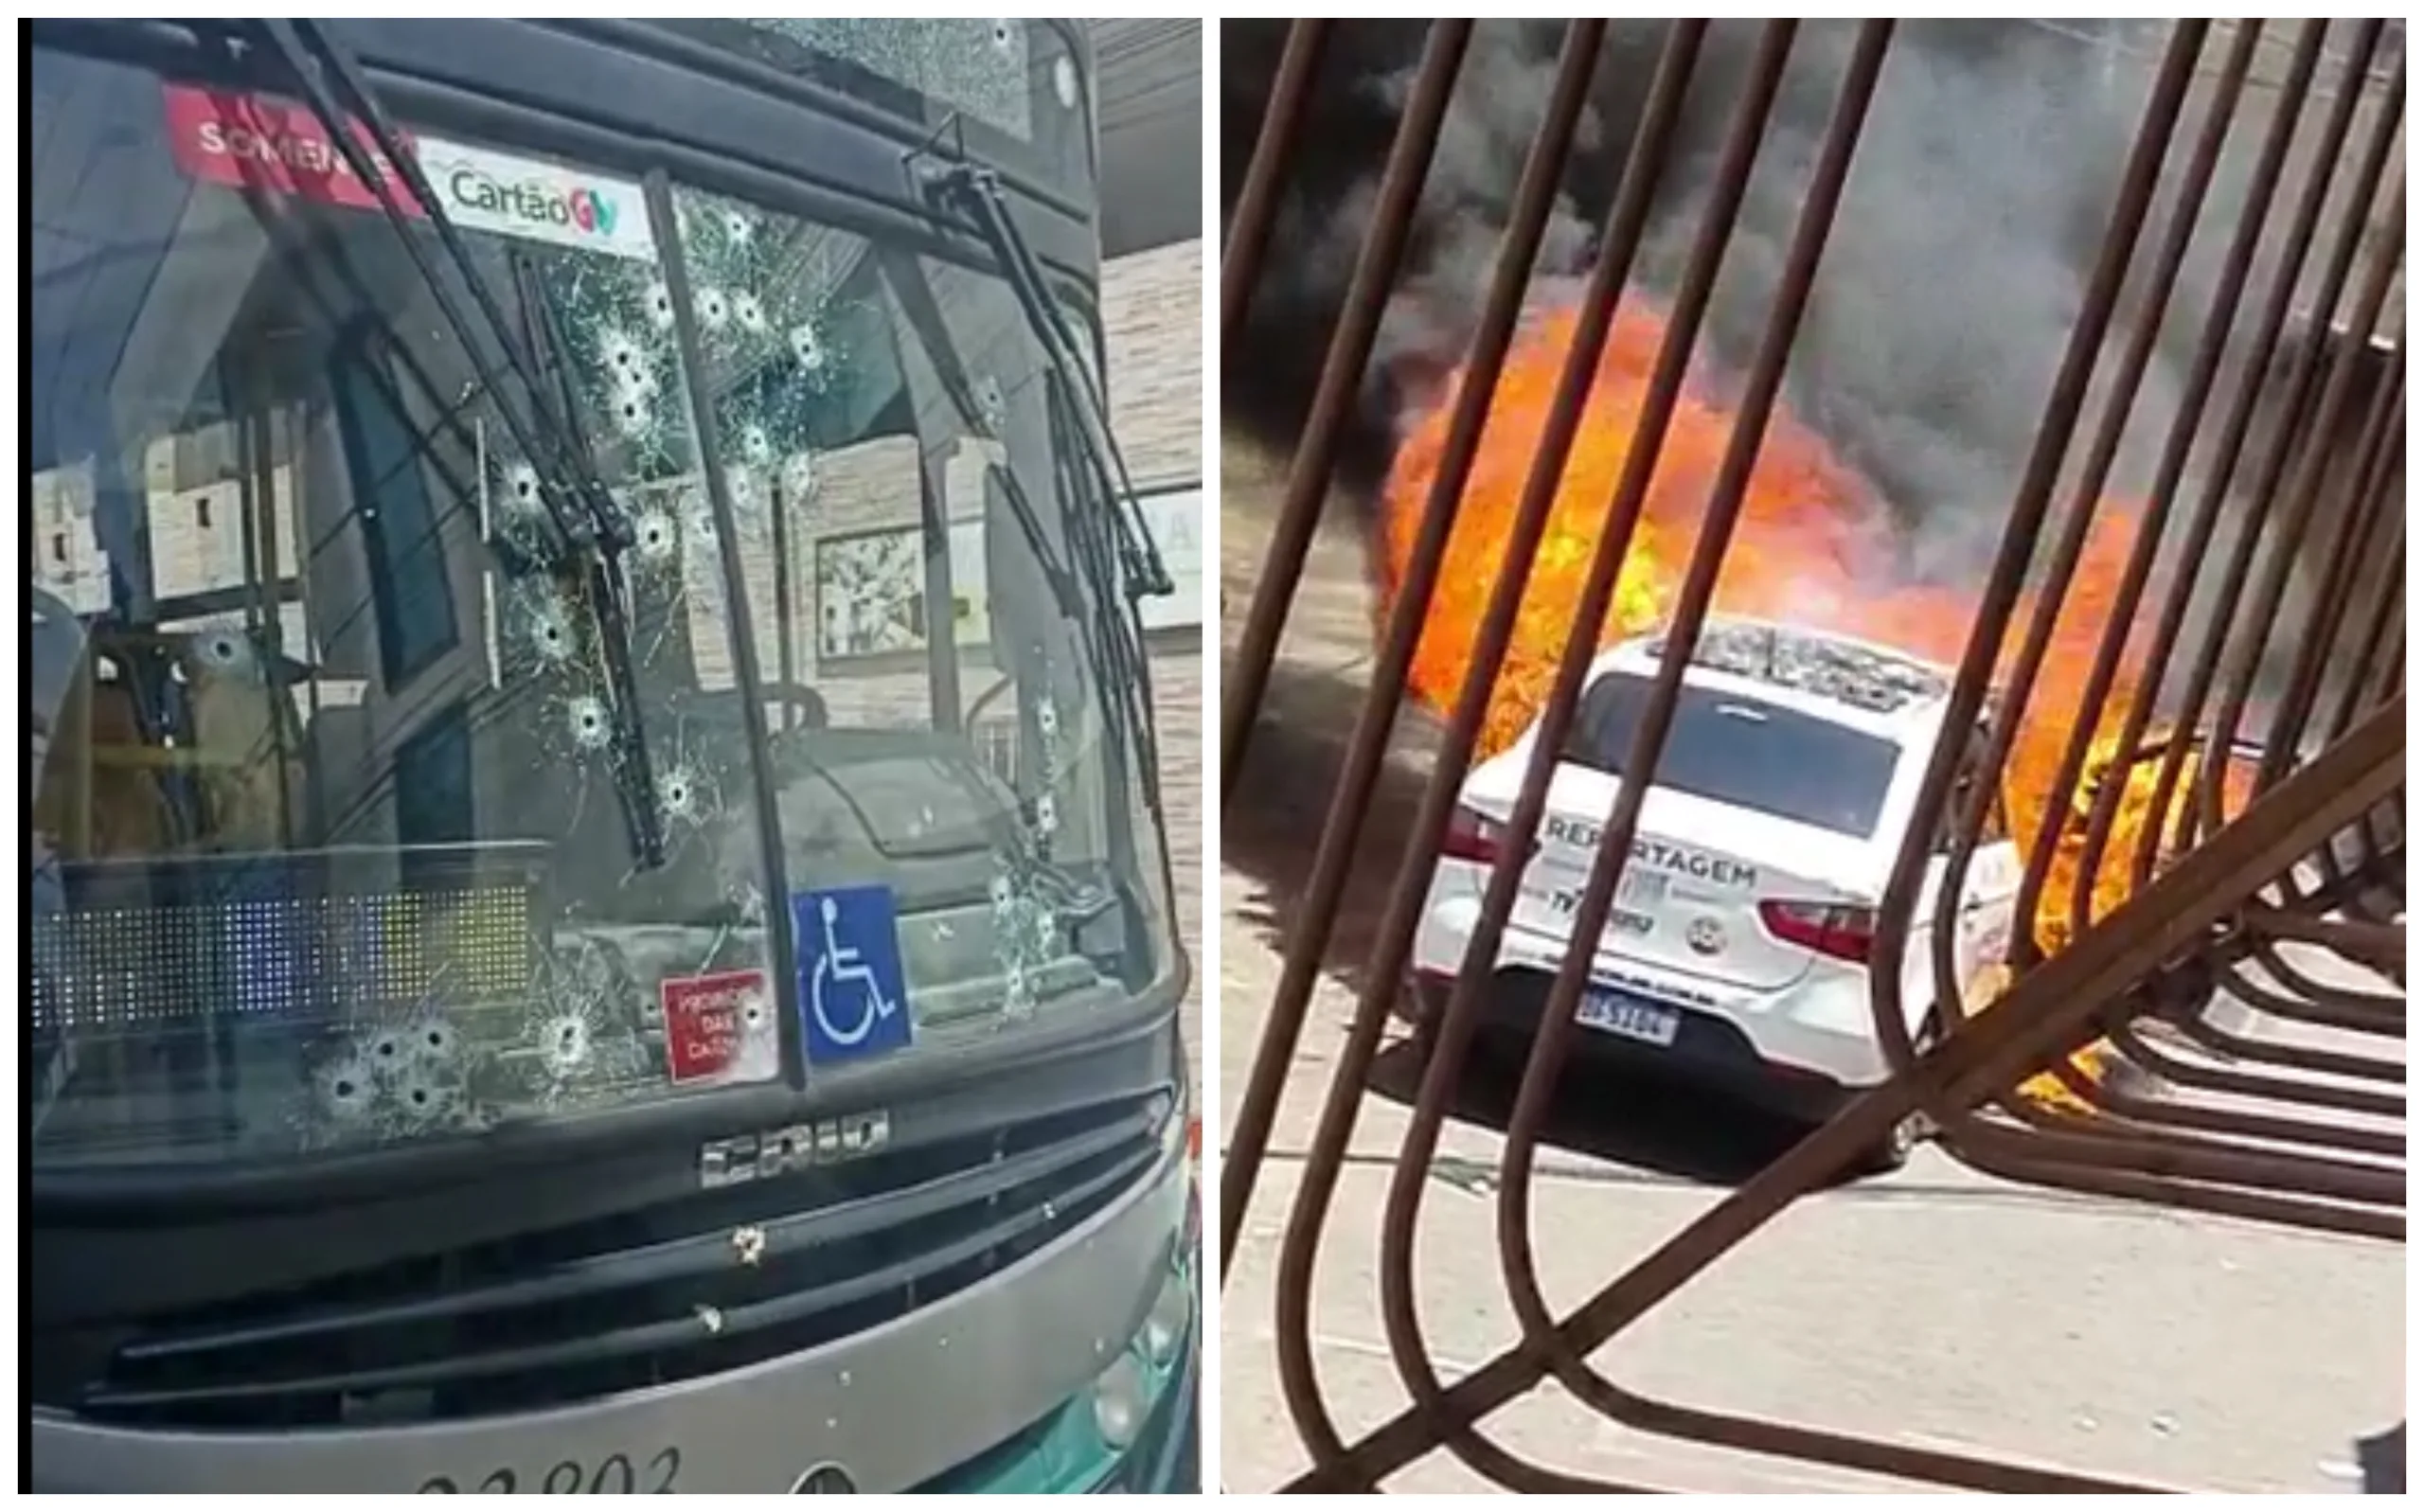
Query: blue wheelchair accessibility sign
x,y
852,992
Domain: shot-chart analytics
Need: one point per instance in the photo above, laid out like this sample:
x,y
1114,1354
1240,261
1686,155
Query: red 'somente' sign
x,y
254,141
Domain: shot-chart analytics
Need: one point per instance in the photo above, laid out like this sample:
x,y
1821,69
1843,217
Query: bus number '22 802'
x,y
614,1475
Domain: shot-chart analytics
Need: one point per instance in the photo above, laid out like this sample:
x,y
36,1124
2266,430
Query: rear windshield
x,y
1745,752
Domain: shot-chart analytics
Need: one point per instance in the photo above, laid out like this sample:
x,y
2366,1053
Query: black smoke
x,y
1978,199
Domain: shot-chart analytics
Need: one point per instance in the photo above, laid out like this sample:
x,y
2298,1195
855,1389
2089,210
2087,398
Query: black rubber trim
x,y
700,1254
732,1323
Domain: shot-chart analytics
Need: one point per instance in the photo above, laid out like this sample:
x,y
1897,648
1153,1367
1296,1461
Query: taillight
x,y
1843,931
1472,837
1191,1234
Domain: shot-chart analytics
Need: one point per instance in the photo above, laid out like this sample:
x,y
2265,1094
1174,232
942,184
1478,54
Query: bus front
x,y
599,915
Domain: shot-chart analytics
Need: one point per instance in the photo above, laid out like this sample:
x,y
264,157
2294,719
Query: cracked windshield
x,y
399,590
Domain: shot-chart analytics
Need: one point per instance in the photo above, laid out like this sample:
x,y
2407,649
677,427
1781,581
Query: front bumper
x,y
1802,1052
1708,1051
1066,1452
902,1406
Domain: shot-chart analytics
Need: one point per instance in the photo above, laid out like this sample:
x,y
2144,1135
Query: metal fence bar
x,y
1694,598
1249,230
2304,491
1246,673
2222,469
2369,508
2135,1132
2205,368
1460,1019
2267,495
1536,197
1621,239
1391,951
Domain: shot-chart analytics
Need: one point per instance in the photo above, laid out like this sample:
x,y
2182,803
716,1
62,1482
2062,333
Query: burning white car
x,y
1739,949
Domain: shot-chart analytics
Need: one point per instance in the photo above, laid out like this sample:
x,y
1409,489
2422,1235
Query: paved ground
x,y
1938,1307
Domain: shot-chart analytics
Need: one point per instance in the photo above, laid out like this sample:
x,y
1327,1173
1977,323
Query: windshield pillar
x,y
942,602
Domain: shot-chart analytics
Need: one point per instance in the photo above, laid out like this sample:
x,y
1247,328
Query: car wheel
x,y
1419,1008
1893,1153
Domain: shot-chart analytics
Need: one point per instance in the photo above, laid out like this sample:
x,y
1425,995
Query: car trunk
x,y
1703,893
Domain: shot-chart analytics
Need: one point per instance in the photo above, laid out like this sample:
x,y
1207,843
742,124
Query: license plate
x,y
1629,1018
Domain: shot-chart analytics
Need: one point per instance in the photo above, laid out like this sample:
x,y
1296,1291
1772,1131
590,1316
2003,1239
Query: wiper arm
x,y
976,193
1120,652
592,530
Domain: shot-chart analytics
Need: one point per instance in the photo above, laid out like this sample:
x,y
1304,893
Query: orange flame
x,y
1813,547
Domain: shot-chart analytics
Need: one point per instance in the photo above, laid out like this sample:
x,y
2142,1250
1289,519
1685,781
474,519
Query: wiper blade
x,y
543,339
976,193
1121,649
1107,618
593,533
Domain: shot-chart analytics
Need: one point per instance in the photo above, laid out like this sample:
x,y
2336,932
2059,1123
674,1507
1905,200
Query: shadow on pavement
x,y
1270,832
1609,1113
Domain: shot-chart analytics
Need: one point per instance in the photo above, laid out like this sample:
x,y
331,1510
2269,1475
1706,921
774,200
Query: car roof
x,y
1861,684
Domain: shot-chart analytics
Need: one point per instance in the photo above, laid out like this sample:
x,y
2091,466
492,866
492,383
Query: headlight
x,y
1190,1233
1162,1114
1119,1402
1165,1326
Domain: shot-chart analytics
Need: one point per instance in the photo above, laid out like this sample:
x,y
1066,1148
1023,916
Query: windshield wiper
x,y
1121,651
1105,619
593,533
976,193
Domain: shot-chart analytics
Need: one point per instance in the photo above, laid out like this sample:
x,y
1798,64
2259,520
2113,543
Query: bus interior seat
x,y
112,779
100,796
244,750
